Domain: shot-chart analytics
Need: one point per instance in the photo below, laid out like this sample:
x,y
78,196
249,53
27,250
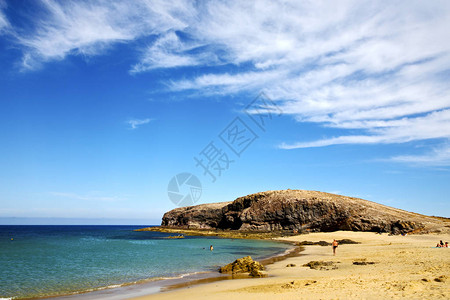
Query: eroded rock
x,y
244,265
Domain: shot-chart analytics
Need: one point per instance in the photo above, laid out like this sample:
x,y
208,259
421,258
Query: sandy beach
x,y
387,267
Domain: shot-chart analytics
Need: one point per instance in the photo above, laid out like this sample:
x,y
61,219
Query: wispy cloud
x,y
227,83
436,157
167,52
92,196
135,123
391,131
4,23
91,27
377,69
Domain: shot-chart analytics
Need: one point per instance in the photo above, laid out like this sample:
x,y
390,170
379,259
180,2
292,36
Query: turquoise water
x,y
56,260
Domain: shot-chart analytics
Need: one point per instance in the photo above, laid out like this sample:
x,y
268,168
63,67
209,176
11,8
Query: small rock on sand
x,y
290,265
321,265
363,263
441,278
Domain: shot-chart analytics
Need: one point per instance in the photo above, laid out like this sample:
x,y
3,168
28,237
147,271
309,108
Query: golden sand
x,y
389,267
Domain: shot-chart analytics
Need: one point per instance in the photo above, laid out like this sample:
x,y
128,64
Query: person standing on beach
x,y
334,245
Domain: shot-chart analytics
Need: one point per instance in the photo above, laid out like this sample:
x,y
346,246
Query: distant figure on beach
x,y
335,245
440,244
446,245
211,248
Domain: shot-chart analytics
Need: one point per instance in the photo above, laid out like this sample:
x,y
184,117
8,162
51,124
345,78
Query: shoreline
x,y
387,267
380,267
156,285
295,251
132,289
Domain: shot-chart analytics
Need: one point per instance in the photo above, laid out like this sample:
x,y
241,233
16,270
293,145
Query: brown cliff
x,y
301,211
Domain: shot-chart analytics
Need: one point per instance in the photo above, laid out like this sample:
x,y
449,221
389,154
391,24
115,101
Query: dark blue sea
x,y
42,261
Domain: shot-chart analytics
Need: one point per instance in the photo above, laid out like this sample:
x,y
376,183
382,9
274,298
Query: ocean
x,y
44,261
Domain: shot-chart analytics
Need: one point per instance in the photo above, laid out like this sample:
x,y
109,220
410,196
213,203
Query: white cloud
x,y
379,68
90,27
227,83
435,125
167,52
135,123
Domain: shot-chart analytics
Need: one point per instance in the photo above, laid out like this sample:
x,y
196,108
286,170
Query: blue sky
x,y
103,102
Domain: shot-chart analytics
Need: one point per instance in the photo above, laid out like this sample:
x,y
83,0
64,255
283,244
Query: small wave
x,y
104,288
142,281
185,275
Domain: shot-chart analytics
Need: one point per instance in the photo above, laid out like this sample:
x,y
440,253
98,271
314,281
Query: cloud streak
x,y
135,123
4,23
395,131
436,157
167,52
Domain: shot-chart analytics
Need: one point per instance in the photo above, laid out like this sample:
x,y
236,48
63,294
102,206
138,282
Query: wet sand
x,y
387,267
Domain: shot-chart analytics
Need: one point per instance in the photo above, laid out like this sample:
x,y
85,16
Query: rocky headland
x,y
299,211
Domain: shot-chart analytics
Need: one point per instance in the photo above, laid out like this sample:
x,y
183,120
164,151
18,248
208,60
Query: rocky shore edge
x,y
229,234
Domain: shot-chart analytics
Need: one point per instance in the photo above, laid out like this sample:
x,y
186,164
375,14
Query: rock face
x,y
206,216
299,211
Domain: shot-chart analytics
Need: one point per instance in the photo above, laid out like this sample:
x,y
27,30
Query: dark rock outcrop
x,y
290,265
363,263
206,216
347,242
321,265
299,211
309,243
